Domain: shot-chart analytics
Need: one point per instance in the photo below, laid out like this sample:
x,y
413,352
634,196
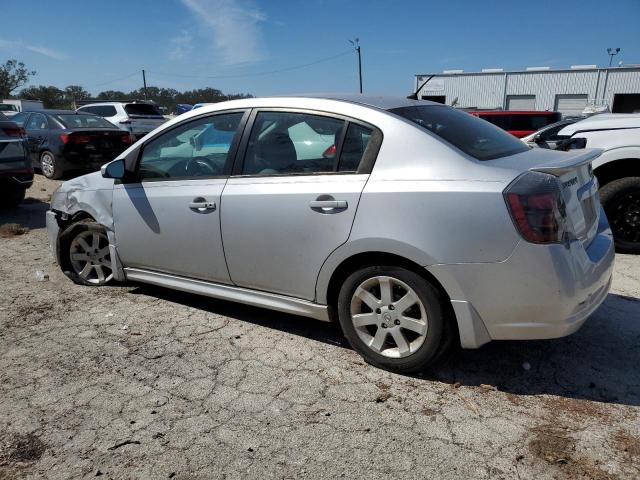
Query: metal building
x,y
537,88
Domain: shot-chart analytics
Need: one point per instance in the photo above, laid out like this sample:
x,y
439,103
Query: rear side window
x,y
473,136
141,109
104,110
20,118
37,122
355,144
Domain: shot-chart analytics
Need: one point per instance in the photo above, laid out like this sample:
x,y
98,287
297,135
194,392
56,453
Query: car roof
x,y
383,102
604,121
51,111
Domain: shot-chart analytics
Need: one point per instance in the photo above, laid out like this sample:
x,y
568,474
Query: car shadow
x,y
30,214
600,362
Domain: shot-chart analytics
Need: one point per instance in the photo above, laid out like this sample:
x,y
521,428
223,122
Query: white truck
x,y
10,106
617,169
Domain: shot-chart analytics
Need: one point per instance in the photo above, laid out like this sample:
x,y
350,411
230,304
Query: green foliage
x,y
13,74
51,97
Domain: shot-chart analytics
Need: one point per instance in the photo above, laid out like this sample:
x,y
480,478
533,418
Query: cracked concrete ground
x,y
136,381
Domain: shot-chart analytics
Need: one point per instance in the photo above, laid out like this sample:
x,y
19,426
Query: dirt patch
x,y
21,449
10,230
552,444
628,444
578,410
31,314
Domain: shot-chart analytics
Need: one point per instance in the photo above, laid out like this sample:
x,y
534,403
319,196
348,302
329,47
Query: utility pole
x,y
356,45
144,82
611,52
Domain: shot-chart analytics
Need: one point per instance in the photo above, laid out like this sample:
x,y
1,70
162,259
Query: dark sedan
x,y
16,172
62,140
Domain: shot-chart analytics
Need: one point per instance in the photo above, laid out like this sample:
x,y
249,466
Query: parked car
x,y
61,140
518,123
617,170
8,109
137,118
427,226
16,172
183,108
547,137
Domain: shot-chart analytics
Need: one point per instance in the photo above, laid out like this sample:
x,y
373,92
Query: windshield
x,y
475,137
83,121
5,107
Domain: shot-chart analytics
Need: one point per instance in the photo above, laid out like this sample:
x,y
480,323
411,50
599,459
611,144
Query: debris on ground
x,y
9,230
41,276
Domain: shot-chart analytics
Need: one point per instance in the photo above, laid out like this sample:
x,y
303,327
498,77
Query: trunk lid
x,y
97,144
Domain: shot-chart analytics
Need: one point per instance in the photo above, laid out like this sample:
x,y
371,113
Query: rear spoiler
x,y
573,159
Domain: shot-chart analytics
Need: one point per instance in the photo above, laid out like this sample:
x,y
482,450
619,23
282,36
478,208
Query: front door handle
x,y
202,205
328,206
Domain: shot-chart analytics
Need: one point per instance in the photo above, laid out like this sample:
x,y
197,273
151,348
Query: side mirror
x,y
113,169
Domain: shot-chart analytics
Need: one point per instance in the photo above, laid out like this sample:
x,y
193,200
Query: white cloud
x,y
20,45
180,46
233,26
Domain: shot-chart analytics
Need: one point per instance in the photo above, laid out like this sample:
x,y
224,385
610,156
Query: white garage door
x,y
521,102
570,104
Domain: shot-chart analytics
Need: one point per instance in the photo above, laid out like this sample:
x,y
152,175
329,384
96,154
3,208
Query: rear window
x,y
473,136
141,109
83,120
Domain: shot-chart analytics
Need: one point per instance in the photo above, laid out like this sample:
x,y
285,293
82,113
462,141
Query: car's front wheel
x,y
393,317
621,201
84,253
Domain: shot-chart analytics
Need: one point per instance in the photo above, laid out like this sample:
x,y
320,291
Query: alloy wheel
x,y
90,258
47,164
389,317
624,217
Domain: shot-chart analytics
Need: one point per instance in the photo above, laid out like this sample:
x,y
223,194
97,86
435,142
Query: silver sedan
x,y
413,225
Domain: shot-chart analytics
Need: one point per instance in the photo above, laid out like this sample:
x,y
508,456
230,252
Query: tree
x,y
51,97
13,74
112,95
75,92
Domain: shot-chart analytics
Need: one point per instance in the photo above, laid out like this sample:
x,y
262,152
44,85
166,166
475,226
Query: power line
x,y
271,72
114,80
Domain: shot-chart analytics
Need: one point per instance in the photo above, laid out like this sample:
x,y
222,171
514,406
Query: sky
x,y
279,47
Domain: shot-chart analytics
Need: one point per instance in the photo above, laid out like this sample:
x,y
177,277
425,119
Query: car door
x,y
37,129
293,196
167,218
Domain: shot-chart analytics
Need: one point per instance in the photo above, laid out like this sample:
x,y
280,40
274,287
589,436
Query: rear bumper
x,y
539,292
18,180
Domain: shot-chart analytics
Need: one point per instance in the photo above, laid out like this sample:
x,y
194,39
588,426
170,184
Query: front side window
x,y
292,143
37,122
195,149
470,134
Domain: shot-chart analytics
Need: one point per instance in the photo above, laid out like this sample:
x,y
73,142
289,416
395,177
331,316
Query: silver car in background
x,y
416,227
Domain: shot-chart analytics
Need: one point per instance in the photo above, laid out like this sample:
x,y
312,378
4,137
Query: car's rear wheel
x,y
50,166
621,201
393,317
84,253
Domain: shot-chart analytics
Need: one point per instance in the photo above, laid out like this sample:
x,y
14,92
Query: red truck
x,y
518,123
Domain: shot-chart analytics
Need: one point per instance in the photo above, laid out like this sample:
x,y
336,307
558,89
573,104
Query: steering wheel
x,y
199,167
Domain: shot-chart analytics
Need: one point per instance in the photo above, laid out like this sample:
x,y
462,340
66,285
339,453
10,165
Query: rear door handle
x,y
202,205
328,206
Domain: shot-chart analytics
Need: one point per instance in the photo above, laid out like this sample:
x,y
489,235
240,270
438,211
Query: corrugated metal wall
x,y
489,90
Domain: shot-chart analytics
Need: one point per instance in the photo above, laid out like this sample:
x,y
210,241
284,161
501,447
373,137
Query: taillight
x,y
14,131
537,208
330,152
77,139
126,139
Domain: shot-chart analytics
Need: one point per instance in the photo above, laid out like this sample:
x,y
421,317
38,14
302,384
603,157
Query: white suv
x,y
137,118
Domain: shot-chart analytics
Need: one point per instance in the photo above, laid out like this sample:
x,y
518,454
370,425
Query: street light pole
x,y
611,52
356,45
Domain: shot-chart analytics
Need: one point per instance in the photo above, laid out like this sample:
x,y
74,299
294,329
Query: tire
x,y
84,254
12,198
421,322
621,201
50,166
